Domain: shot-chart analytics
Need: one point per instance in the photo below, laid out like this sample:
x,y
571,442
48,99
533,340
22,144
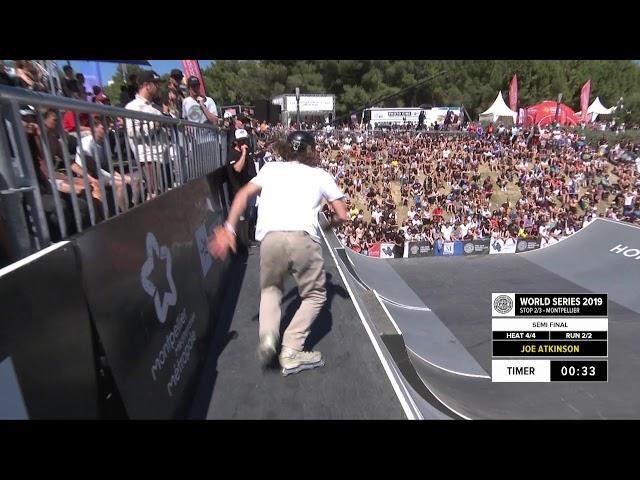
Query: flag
x,y
192,68
513,93
584,98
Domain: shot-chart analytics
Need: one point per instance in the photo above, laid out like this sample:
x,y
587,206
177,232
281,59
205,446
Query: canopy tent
x,y
599,109
499,110
545,113
596,108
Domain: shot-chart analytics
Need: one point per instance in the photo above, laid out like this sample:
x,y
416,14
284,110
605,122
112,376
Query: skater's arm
x,y
341,214
240,202
224,237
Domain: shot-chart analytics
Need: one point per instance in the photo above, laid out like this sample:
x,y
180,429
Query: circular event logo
x,y
522,245
468,248
503,304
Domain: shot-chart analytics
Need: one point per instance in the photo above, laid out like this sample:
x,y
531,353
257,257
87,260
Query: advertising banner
x,y
374,250
513,93
144,275
310,103
475,247
446,249
527,244
419,249
584,98
498,245
387,250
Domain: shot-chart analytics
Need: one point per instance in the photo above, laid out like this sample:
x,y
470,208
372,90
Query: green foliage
x,y
593,138
473,83
113,91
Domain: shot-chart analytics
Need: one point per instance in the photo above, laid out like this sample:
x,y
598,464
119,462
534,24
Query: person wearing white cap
x,y
240,169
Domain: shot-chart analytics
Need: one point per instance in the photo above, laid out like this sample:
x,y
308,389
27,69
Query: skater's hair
x,y
306,157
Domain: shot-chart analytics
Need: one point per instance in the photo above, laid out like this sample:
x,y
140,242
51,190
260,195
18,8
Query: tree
x,y
473,83
113,91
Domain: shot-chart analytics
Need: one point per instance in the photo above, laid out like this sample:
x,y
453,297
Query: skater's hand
x,y
220,243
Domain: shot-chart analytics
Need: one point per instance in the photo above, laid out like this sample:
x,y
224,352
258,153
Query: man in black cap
x,y
197,108
143,135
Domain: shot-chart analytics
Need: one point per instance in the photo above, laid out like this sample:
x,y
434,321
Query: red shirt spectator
x,y
69,122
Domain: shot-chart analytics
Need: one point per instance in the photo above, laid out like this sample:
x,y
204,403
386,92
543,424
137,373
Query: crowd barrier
x,y
66,165
135,298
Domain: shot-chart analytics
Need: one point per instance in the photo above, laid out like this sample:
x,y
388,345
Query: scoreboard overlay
x,y
551,337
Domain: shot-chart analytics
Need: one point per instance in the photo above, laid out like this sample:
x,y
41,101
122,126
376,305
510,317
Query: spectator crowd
x,y
506,183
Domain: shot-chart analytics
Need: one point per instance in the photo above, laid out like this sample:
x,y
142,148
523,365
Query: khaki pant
x,y
294,253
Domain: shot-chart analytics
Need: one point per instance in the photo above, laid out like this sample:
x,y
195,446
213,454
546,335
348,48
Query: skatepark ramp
x,y
601,258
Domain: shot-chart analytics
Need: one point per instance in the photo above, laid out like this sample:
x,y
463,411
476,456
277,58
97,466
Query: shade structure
x,y
498,111
548,112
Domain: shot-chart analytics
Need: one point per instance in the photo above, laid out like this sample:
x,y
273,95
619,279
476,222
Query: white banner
x,y
499,245
396,115
386,250
309,103
439,114
406,115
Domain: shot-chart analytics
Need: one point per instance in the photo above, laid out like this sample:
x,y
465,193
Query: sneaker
x,y
293,361
267,349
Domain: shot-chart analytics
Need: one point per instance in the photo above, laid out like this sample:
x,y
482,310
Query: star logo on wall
x,y
156,277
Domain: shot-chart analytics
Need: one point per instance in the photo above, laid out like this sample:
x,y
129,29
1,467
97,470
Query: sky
x,y
108,69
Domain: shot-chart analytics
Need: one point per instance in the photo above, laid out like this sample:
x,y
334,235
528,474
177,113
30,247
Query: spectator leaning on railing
x,y
142,134
60,181
95,154
28,77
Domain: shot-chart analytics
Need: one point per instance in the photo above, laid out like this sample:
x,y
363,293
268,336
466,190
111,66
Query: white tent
x,y
596,108
498,110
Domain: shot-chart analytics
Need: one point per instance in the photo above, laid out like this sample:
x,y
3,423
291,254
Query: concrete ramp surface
x,y
456,291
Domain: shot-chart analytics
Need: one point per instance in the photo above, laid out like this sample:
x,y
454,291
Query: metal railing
x,y
66,165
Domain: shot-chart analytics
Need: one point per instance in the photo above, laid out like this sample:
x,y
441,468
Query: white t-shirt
x,y
628,199
446,231
139,131
191,110
291,197
95,150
